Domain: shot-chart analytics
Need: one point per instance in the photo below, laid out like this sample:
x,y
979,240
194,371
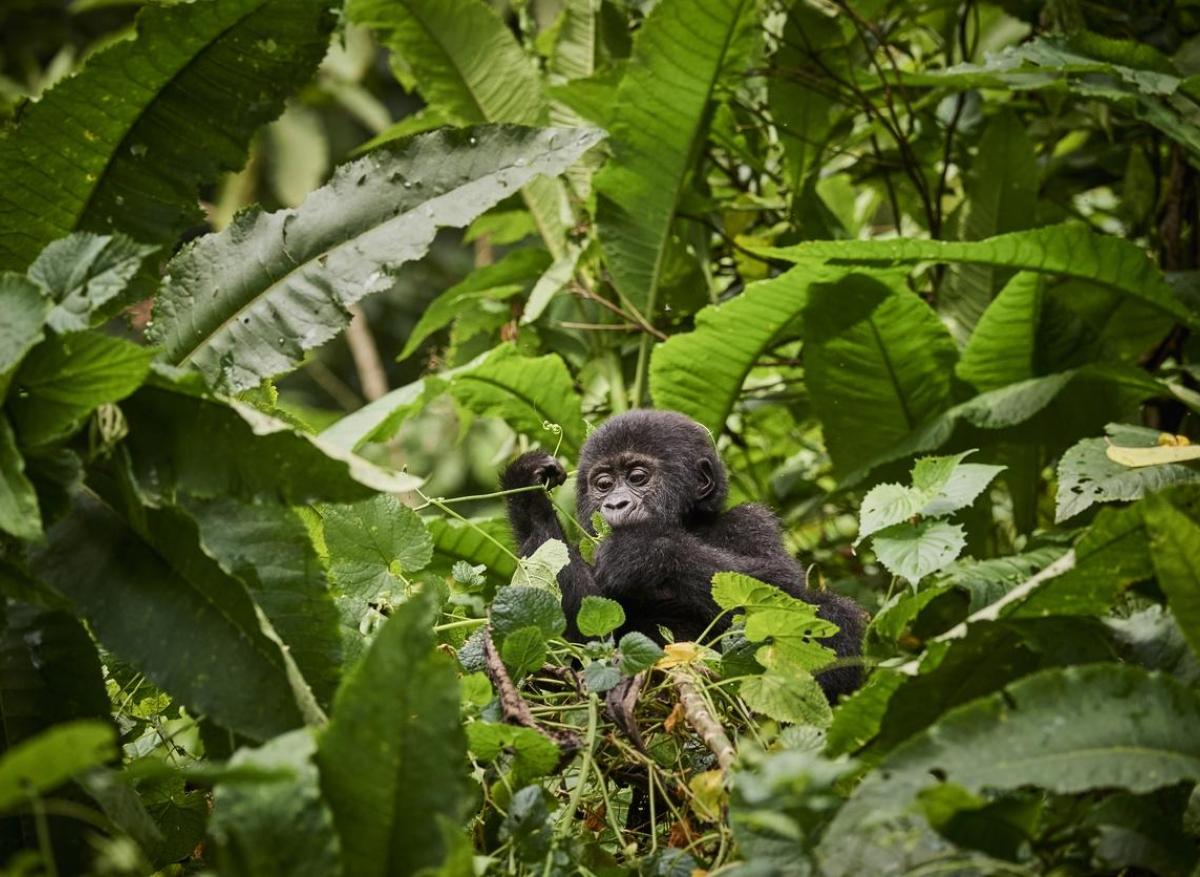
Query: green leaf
x,y
913,551
678,57
966,482
731,590
276,828
888,504
396,721
43,763
267,547
19,513
127,141
876,381
511,276
599,616
540,569
517,606
212,648
524,651
525,392
1175,548
470,69
1072,250
638,653
371,543
1001,189
857,718
787,697
25,307
1087,476
534,754
1002,346
472,541
183,441
249,302
85,275
1099,726
600,676
67,377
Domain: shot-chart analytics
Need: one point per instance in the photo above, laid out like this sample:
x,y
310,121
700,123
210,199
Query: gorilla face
x,y
625,489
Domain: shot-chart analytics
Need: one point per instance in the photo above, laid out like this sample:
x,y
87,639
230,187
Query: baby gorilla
x,y
655,477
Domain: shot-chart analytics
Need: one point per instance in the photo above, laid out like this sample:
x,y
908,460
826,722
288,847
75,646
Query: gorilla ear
x,y
707,481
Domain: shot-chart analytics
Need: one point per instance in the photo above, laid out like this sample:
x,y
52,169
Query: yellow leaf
x,y
1136,457
708,789
678,654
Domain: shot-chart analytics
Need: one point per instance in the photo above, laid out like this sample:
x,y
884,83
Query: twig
x,y
372,377
991,611
696,711
513,706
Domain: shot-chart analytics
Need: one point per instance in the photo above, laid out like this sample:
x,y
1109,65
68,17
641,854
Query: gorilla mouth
x,y
624,517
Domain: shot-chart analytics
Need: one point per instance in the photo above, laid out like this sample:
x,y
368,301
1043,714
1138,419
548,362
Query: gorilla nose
x,y
616,505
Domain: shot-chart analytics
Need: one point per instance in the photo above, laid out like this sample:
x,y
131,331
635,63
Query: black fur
x,y
669,536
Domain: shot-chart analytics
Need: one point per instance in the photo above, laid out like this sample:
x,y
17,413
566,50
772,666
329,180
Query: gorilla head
x,y
650,466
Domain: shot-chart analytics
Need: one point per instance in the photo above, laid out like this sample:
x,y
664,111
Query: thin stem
x,y
589,743
455,625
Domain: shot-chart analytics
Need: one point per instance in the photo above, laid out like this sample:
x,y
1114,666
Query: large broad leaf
x,y
1001,348
1093,727
470,69
276,829
396,721
126,141
701,372
1175,547
476,543
248,303
49,760
19,513
65,378
157,601
267,547
678,57
1071,250
1002,189
184,441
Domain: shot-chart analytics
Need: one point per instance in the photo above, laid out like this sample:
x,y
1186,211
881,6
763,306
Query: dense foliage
x,y
928,272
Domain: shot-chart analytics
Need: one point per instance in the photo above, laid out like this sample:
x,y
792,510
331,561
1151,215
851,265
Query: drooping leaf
x,y
395,720
1001,189
1175,548
276,828
678,58
1001,348
126,142
1071,250
42,763
525,392
913,551
246,304
1064,730
184,441
857,718
66,377
25,308
159,603
19,513
470,69
85,275
472,542
1086,474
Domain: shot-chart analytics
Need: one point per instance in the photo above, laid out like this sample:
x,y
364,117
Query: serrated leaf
x,y
600,676
678,57
787,697
963,487
66,377
25,307
523,651
599,616
371,543
127,141
638,653
888,504
517,606
534,754
396,720
249,302
732,589
540,569
85,274
1087,476
913,551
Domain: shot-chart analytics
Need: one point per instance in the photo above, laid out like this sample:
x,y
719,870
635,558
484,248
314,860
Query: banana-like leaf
x,y
1099,726
1071,250
1001,349
678,57
248,303
126,142
470,69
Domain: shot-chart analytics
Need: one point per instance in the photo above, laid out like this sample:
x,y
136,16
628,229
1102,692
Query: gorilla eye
x,y
638,477
603,483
